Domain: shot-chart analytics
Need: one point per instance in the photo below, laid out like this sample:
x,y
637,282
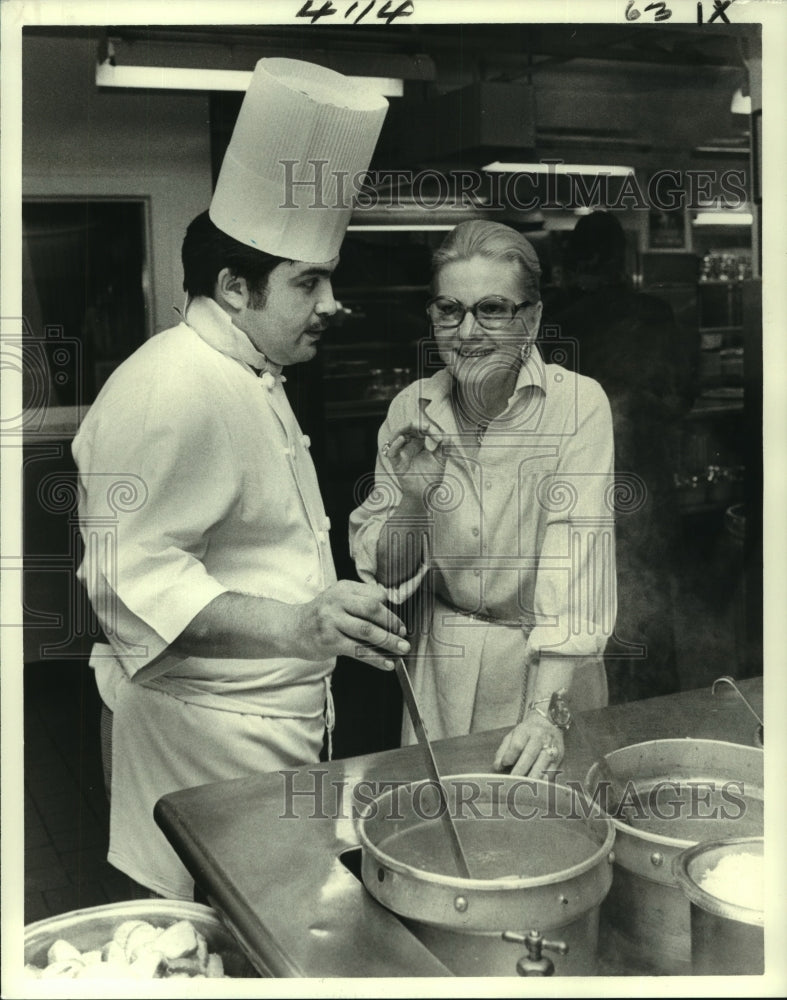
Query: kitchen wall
x,y
82,142
78,141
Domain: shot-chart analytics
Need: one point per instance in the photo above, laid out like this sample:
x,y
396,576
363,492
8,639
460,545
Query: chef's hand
x,y
533,747
416,455
352,619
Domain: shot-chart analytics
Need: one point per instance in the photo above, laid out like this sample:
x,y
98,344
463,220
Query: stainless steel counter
x,y
271,852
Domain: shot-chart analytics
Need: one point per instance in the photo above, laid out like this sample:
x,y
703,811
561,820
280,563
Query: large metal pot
x,y
540,860
727,938
92,927
715,790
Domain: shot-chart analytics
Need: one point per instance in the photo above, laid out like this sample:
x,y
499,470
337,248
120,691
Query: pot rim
x,y
156,908
489,885
701,897
659,838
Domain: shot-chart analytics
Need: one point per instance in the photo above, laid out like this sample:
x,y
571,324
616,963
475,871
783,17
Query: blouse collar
x,y
435,392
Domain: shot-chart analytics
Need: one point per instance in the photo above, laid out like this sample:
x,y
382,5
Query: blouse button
x,y
307,441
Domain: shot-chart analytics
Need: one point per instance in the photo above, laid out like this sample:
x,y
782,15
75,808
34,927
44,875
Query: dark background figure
x,y
630,343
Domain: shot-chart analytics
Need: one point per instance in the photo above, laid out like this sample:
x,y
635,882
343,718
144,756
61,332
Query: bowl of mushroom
x,y
138,939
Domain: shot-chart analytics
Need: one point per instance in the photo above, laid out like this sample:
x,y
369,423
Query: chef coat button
x,y
326,523
268,380
475,532
307,441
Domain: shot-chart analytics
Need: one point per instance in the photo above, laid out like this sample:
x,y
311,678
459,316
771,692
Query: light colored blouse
x,y
520,535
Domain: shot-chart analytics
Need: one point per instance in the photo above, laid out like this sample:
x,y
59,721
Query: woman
x,y
493,495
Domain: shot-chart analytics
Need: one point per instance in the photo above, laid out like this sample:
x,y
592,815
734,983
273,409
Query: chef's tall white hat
x,y
285,184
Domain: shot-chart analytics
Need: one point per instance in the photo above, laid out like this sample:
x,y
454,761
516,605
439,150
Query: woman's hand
x,y
533,747
416,456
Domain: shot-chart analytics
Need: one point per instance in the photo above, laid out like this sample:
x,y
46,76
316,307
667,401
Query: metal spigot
x,y
534,963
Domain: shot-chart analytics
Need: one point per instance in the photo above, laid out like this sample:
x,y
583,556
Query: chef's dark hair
x,y
207,250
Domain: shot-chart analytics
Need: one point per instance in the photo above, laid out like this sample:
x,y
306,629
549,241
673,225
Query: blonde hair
x,y
495,241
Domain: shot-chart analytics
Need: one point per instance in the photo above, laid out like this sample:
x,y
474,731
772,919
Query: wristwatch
x,y
558,712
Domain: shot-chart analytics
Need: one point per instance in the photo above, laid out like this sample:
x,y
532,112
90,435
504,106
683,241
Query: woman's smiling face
x,y
469,351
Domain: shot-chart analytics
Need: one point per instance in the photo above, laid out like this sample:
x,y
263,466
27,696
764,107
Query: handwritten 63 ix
x,y
661,11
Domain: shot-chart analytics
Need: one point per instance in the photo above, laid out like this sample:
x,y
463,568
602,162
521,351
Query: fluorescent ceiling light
x,y
178,78
740,105
403,226
721,218
557,168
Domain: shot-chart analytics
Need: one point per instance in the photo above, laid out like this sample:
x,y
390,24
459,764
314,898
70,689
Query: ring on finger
x,y
551,751
386,447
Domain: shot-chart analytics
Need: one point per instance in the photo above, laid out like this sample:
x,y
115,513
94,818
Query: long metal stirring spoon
x,y
460,858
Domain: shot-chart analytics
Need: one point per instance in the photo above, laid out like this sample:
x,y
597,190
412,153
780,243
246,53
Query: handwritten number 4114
x,y
385,12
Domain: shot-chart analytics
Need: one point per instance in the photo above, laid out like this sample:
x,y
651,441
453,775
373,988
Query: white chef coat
x,y
520,535
195,480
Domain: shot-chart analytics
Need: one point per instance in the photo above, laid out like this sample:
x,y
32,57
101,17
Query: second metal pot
x,y
646,914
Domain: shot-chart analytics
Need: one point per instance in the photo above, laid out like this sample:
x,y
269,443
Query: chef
x,y
207,556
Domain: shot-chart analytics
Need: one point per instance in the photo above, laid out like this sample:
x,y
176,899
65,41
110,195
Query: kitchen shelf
x,y
376,290
352,409
705,508
715,408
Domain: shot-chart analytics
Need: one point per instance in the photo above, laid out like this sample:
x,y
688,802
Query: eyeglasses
x,y
494,312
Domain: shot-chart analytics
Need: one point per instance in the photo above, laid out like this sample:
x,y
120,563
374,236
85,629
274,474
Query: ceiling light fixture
x,y
182,78
557,168
722,218
402,227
